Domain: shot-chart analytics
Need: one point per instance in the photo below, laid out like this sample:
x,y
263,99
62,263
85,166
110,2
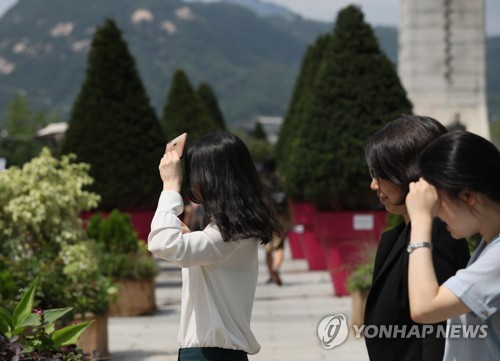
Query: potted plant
x,y
359,283
28,333
125,260
354,90
41,235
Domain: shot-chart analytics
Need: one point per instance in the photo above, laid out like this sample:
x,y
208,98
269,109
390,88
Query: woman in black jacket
x,y
391,155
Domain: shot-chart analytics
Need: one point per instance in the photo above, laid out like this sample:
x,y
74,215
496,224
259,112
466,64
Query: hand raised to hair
x,y
171,171
422,201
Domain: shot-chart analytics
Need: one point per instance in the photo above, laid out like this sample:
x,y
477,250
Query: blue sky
x,y
377,12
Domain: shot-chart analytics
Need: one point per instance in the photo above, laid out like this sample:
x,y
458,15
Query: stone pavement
x,y
285,319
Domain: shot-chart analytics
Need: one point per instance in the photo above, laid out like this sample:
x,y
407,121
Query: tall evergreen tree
x,y
184,112
357,89
301,101
258,132
209,99
113,127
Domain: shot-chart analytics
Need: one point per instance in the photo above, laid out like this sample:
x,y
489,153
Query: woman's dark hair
x,y
392,152
221,176
462,161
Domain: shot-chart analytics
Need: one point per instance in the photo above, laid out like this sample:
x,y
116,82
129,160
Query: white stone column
x,y
442,62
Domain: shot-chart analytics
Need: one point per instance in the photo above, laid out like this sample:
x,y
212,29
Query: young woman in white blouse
x,y
220,263
461,185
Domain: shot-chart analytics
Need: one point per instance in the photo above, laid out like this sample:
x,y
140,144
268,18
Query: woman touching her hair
x,y
460,184
219,263
392,154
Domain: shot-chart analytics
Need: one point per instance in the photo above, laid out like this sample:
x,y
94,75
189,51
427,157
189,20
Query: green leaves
x,y
36,328
23,308
69,335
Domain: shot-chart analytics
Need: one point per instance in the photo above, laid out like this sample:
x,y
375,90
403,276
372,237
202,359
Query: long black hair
x,y
221,176
462,161
392,152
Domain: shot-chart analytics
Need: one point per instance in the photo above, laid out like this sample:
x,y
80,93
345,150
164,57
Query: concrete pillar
x,y
442,60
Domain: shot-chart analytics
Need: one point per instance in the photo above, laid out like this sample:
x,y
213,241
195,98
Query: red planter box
x,y
294,237
303,214
343,236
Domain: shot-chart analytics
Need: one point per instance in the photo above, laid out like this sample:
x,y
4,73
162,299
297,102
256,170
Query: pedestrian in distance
x,y
219,263
460,184
391,154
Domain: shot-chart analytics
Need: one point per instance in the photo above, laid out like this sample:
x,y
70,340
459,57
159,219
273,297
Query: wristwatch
x,y
413,246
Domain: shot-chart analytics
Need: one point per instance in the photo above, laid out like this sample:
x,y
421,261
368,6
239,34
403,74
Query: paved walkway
x,y
285,319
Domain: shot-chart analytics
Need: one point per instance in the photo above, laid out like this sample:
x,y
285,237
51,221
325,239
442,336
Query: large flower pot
x,y
95,338
358,302
294,237
135,298
303,214
344,236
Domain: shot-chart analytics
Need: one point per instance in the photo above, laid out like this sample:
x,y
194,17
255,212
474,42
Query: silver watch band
x,y
413,246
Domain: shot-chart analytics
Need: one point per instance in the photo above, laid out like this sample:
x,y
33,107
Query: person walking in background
x,y
460,184
220,263
275,250
391,155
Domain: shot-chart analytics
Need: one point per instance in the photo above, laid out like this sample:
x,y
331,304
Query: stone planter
x,y
358,300
135,298
95,337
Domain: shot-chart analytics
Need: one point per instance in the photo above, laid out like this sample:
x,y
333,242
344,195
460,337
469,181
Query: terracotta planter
x,y
135,298
358,302
343,237
303,213
95,337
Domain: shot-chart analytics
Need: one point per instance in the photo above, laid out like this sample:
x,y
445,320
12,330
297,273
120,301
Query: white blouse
x,y
218,279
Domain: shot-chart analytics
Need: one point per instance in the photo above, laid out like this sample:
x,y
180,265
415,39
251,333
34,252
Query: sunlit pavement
x,y
285,319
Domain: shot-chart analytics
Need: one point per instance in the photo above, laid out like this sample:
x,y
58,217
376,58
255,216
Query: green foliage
x,y
209,99
495,133
34,328
122,255
41,234
114,128
258,132
393,220
18,143
296,118
260,150
355,91
184,111
362,276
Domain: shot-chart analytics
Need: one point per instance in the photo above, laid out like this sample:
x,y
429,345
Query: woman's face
x,y
389,194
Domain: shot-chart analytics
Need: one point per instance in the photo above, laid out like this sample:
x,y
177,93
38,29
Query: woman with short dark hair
x,y
392,155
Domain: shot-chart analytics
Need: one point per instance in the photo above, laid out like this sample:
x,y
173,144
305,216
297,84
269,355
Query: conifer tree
x,y
184,112
209,99
295,117
258,132
113,127
356,91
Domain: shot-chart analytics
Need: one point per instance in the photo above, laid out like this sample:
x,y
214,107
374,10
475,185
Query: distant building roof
x,y
53,129
271,126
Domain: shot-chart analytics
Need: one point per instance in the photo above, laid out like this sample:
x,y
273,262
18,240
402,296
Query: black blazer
x,y
388,302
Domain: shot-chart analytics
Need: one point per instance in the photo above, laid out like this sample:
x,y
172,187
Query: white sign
x,y
3,163
363,222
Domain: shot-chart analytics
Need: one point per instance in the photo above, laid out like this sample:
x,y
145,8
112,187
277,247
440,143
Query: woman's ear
x,y
469,197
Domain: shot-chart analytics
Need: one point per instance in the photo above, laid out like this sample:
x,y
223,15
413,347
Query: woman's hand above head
x,y
171,171
422,201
